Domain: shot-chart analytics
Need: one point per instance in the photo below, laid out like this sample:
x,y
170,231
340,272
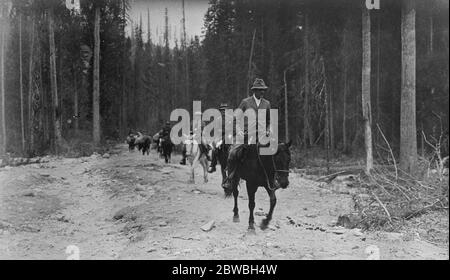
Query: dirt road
x,y
129,206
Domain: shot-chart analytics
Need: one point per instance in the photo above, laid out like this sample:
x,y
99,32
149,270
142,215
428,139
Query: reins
x,y
265,171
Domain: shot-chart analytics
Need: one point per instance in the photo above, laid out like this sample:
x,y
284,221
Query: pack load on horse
x,y
155,142
143,143
165,144
219,147
245,162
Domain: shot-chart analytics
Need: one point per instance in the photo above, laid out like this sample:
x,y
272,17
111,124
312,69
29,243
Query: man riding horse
x,y
165,143
219,146
245,161
255,102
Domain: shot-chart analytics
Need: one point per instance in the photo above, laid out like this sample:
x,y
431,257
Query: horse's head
x,y
282,159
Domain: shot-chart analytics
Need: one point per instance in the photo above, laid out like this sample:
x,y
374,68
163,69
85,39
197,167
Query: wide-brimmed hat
x,y
259,84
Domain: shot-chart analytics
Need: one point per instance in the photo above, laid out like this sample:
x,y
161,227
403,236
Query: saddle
x,y
251,152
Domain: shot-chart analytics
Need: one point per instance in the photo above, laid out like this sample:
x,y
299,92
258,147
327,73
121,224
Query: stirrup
x,y
211,169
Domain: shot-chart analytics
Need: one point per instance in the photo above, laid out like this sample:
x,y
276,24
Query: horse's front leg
x,y
192,180
205,169
224,174
251,190
236,209
273,201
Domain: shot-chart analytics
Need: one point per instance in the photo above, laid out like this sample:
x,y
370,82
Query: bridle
x,y
278,170
274,168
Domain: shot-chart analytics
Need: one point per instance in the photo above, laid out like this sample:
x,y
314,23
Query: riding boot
x,y
212,166
183,154
204,150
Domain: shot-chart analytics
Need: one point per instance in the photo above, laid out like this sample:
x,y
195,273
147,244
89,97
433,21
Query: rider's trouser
x,y
215,155
184,154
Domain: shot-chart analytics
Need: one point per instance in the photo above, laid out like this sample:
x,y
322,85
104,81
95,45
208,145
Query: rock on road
x,y
129,206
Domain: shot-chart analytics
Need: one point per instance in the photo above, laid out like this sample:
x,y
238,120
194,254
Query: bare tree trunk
x,y
366,106
22,104
327,117
422,141
57,140
30,89
96,80
46,108
344,113
250,63
378,99
124,107
2,76
306,125
286,109
36,91
431,38
76,110
344,108
331,116
186,57
408,132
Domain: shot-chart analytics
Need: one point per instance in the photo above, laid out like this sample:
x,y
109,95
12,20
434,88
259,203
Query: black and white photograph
x,y
224,130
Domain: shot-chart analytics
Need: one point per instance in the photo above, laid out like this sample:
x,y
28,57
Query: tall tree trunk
x,y
46,100
186,58
96,80
286,109
250,63
327,117
3,21
124,110
378,98
408,136
30,88
331,116
431,38
345,52
57,139
22,103
35,91
306,125
76,110
366,70
344,109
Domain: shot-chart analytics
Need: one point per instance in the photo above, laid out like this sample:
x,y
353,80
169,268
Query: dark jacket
x,y
249,103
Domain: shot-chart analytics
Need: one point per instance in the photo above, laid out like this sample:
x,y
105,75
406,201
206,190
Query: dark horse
x,y
220,152
131,139
166,148
143,143
270,172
